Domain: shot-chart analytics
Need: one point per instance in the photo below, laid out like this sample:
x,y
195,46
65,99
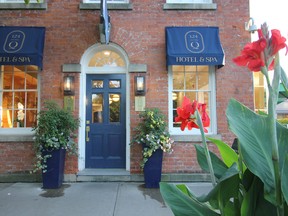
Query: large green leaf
x,y
282,136
218,165
254,203
227,188
284,178
182,202
228,155
252,131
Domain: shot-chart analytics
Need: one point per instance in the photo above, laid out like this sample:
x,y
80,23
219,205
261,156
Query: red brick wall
x,y
16,157
140,32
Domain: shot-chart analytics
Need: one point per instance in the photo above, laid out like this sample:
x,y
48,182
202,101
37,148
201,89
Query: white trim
x,y
189,1
19,1
82,108
213,126
108,1
17,133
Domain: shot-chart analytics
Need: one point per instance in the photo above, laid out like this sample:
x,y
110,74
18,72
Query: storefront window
x,y
194,82
20,1
18,96
108,1
189,1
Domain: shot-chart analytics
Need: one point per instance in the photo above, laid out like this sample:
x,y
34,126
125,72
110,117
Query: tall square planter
x,y
53,177
153,169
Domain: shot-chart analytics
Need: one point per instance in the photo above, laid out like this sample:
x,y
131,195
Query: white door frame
x,y
82,94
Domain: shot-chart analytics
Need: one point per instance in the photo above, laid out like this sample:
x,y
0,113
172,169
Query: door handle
x,y
87,133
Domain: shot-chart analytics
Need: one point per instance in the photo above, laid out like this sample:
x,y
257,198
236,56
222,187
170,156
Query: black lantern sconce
x,y
69,85
139,86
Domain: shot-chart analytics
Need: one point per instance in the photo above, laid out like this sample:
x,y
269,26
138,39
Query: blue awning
x,y
21,45
194,46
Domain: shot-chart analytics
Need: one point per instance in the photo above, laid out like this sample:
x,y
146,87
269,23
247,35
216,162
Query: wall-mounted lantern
x,y
69,85
139,86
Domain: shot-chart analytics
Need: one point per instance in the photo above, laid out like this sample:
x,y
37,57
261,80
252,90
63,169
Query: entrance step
x,y
122,175
106,175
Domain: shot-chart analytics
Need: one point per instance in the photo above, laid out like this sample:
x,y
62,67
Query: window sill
x,y
96,6
17,138
183,6
193,138
23,6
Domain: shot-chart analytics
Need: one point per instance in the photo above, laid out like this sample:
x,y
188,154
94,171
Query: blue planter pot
x,y
153,170
53,177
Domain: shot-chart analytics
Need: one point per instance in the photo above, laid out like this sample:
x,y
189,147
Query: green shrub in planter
x,y
56,129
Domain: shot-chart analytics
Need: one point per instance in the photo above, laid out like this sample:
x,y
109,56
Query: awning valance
x,y
194,46
21,45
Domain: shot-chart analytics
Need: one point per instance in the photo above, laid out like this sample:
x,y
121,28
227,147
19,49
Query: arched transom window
x,y
106,58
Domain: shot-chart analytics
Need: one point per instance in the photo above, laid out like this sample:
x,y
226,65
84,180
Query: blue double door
x,y
105,121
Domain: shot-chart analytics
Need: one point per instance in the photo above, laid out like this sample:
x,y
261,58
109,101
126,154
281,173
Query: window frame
x,y
23,134
186,5
108,1
189,1
213,118
21,1
4,5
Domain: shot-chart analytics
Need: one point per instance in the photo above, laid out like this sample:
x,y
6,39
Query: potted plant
x,y
152,134
54,135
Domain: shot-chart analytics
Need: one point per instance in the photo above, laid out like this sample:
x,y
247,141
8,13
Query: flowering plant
x,y
254,181
187,114
151,133
55,130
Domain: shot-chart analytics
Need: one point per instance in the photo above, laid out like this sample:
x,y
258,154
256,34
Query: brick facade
x,y
140,32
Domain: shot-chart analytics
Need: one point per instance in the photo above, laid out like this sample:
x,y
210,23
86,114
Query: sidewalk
x,y
85,199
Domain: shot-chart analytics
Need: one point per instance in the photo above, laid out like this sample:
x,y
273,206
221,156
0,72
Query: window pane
x,y
97,83
203,79
32,100
97,108
114,84
31,118
7,119
19,97
190,80
31,81
114,107
106,58
19,80
7,100
19,116
178,80
8,78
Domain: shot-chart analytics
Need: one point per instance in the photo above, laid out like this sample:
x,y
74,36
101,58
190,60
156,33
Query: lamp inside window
x,y
69,85
139,85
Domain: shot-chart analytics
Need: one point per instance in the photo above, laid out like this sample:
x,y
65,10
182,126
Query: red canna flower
x,y
252,55
186,115
277,42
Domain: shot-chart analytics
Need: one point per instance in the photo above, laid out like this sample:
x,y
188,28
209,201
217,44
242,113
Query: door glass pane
x,y
97,83
114,107
97,108
114,84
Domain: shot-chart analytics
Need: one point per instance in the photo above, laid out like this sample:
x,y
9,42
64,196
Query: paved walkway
x,y
85,199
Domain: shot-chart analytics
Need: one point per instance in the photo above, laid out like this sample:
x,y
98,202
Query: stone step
x,y
121,175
